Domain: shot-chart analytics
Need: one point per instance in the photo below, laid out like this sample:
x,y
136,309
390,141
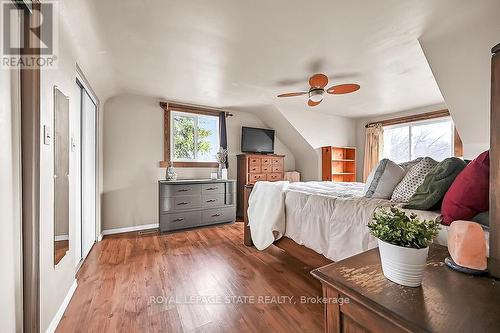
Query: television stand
x,y
257,167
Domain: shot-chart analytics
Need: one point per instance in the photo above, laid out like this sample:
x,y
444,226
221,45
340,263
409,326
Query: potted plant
x,y
403,243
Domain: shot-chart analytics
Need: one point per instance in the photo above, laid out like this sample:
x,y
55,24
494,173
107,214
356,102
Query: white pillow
x,y
383,179
413,179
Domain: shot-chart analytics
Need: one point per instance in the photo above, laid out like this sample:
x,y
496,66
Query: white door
x,y
88,161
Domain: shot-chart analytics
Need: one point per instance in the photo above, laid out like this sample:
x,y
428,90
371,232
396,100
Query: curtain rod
x,y
192,107
410,119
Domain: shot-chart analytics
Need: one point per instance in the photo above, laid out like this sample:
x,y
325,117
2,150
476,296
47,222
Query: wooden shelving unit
x,y
338,164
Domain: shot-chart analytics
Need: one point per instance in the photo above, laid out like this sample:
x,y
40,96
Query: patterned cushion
x,y
412,180
408,165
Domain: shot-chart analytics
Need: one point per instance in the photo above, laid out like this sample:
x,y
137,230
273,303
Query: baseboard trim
x,y
129,229
57,318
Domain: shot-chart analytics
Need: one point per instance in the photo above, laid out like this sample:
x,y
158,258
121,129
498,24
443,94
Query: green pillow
x,y
435,184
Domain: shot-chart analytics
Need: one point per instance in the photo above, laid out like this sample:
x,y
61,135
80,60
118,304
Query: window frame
x,y
196,117
411,124
169,107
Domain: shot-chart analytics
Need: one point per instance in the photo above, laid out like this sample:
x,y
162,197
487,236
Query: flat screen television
x,y
257,140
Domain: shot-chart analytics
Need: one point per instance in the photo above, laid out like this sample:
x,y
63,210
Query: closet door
x,y
88,140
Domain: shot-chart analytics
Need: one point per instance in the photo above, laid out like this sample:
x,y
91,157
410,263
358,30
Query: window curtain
x,y
374,142
223,133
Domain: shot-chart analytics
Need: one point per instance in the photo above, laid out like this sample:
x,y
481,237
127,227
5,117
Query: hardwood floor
x,y
143,283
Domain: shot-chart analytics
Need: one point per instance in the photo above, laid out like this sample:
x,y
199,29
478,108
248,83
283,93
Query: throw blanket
x,y
436,183
266,212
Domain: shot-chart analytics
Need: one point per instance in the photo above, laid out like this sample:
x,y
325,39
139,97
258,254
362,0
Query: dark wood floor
x,y
123,273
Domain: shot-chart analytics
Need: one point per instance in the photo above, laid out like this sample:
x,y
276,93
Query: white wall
x,y
305,131
133,147
360,131
55,282
10,236
459,56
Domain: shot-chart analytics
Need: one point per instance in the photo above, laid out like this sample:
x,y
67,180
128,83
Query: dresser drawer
x,y
267,168
273,177
266,161
277,168
217,215
254,169
176,190
254,161
186,202
213,200
213,188
177,221
277,161
255,177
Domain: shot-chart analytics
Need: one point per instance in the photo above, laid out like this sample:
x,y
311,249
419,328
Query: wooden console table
x,y
447,301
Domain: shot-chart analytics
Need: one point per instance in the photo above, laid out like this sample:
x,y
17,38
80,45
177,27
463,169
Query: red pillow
x,y
468,195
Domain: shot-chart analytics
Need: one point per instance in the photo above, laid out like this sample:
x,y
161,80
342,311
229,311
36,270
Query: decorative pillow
x,y
435,184
383,179
408,165
412,180
469,193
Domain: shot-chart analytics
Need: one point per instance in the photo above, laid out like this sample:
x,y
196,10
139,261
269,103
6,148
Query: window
x,y
433,138
193,137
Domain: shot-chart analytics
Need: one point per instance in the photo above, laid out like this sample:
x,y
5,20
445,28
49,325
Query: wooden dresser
x,y
447,301
192,203
253,168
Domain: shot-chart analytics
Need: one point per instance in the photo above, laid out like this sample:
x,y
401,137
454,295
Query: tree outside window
x,y
194,138
428,138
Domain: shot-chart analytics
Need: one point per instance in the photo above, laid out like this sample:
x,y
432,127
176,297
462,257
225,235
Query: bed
x,y
328,218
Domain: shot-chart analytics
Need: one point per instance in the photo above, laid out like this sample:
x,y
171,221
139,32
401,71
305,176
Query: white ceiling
x,y
232,53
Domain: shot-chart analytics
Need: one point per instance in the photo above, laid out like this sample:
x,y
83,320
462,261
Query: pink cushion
x,y
468,195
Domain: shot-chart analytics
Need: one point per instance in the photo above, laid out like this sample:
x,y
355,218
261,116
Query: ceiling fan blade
x,y
318,81
311,103
343,89
293,94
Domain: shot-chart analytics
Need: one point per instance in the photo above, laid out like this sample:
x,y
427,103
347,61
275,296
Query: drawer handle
x,y
216,215
211,188
178,219
182,203
253,169
183,190
211,200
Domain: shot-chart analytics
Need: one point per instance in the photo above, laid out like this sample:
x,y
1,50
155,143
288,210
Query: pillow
x,y
482,218
383,179
407,165
412,180
435,184
469,193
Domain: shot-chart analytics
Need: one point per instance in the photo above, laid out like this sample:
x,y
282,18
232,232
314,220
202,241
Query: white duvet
x,y
329,218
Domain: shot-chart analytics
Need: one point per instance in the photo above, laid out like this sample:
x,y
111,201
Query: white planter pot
x,y
403,265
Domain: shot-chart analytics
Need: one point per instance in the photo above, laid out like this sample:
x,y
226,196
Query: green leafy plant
x,y
393,226
184,138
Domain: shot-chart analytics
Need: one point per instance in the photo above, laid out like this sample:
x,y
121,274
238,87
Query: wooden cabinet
x,y
253,168
359,298
338,164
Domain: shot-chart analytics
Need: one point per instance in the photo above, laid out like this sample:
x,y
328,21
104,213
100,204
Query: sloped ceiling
x,y
240,54
458,52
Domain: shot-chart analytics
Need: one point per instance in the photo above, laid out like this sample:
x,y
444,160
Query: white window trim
x,y
425,122
171,133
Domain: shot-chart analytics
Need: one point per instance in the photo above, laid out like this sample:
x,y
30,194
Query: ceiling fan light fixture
x,y
316,95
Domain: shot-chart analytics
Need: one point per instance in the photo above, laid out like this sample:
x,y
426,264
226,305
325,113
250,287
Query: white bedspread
x,y
331,223
266,212
329,218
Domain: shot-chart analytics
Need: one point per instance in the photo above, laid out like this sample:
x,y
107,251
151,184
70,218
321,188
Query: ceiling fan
x,y
318,83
